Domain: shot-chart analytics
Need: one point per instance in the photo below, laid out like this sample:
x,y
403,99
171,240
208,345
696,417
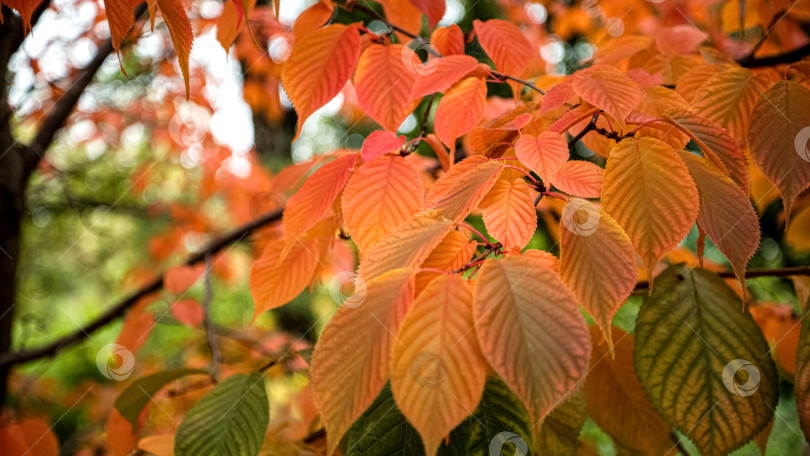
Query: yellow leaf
x,y
406,246
380,195
350,364
509,213
616,401
597,261
778,138
462,188
726,214
531,331
648,190
438,371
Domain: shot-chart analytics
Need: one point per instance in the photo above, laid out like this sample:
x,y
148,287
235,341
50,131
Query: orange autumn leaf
x,y
276,279
354,352
460,109
407,245
616,400
579,178
318,67
312,201
134,333
778,138
28,437
384,83
505,45
647,189
25,8
381,194
174,13
438,74
509,213
453,252
448,40
312,18
597,261
437,369
188,312
179,279
120,439
524,317
544,154
729,97
120,16
726,214
460,190
607,88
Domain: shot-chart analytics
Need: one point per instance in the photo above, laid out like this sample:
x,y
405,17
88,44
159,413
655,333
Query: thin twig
x,y
216,356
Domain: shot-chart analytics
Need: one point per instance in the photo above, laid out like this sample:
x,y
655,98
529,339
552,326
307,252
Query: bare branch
x,y
777,59
12,358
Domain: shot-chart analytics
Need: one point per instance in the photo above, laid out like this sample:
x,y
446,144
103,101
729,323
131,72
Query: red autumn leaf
x,y
505,45
188,312
448,40
440,73
179,279
174,13
379,143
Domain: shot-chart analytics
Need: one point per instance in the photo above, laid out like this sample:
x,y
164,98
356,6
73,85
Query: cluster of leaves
x,y
445,342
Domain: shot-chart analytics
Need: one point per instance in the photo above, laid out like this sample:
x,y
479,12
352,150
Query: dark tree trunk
x,y
12,186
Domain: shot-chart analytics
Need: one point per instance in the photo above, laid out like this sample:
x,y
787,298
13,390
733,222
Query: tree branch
x,y
216,357
752,274
778,59
12,358
46,132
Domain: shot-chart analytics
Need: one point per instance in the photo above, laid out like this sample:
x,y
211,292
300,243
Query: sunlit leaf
x,y
174,13
543,154
351,361
509,213
648,190
384,84
607,88
381,194
460,109
318,67
462,188
437,75
579,178
438,371
531,331
597,261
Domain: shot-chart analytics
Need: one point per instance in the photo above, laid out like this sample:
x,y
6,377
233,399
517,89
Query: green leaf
x,y
130,403
500,416
383,430
559,434
704,363
230,420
